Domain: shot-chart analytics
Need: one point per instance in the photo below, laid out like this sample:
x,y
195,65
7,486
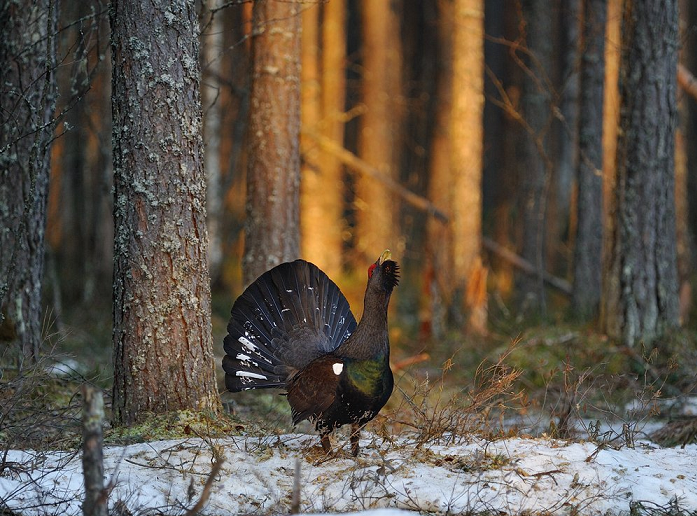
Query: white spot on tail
x,y
247,374
242,356
247,344
337,368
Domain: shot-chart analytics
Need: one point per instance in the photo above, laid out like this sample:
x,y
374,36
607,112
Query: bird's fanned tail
x,y
289,316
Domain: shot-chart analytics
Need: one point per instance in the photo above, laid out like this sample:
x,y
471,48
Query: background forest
x,y
530,163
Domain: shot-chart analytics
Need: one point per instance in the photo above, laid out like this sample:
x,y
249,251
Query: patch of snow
x,y
65,367
512,476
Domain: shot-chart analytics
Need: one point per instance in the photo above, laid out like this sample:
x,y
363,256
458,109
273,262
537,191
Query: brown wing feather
x,y
313,390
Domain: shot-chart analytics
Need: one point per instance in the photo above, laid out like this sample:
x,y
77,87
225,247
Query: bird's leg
x,y
326,444
355,438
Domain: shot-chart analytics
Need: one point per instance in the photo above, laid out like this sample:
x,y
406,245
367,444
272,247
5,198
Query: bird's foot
x,y
326,444
355,439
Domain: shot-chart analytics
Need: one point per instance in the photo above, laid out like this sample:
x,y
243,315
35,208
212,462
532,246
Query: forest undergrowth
x,y
561,381
558,380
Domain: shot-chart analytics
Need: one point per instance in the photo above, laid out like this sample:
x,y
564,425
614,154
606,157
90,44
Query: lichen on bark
x,y
162,330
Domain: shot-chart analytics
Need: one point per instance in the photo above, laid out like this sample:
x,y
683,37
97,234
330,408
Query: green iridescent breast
x,y
368,375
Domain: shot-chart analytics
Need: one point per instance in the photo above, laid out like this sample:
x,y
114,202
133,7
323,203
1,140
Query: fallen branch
x,y
206,493
406,362
527,267
349,159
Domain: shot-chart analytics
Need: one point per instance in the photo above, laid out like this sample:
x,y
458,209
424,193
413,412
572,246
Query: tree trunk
x,y
163,357
611,118
533,158
28,92
689,127
273,168
322,188
567,157
322,184
439,275
213,51
589,235
378,140
466,135
501,129
640,296
690,60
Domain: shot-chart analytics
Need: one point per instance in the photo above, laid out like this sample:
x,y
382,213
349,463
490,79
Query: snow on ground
x,y
512,476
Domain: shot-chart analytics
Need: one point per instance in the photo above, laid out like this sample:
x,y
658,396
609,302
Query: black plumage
x,y
293,329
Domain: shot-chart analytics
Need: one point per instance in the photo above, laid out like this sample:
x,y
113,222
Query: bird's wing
x,y
313,390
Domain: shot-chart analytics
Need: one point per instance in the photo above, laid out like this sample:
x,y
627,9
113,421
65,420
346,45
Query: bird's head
x,y
384,273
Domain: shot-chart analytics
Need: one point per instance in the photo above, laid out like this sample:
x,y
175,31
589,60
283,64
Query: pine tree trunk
x,y
500,177
588,249
533,159
466,134
567,156
640,297
689,57
28,92
163,357
378,140
322,182
321,191
611,118
439,276
686,171
213,50
273,168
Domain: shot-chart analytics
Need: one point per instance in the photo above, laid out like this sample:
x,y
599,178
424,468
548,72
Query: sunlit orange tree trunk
x,y
466,134
163,357
457,279
378,142
640,291
323,98
272,232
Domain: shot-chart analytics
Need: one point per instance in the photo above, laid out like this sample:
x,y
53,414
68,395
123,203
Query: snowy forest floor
x,y
477,476
560,422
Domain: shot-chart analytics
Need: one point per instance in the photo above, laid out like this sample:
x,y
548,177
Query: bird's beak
x,y
386,255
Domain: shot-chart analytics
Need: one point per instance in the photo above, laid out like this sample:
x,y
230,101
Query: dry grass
x,y
437,412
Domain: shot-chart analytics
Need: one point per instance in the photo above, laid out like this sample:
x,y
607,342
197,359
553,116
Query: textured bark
x,y
466,134
535,105
163,358
378,140
273,168
28,92
95,503
640,297
589,235
324,85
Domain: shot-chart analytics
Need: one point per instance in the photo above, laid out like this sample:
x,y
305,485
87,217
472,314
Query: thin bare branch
x,y
350,159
